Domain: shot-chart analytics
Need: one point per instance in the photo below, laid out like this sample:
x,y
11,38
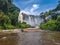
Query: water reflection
x,y
31,38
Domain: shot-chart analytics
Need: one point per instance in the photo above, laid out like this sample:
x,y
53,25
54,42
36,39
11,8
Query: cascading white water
x,y
31,19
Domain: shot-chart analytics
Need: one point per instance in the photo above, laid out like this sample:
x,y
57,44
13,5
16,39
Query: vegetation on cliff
x,y
54,22
9,15
53,25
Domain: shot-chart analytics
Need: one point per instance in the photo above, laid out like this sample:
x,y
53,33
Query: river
x,y
31,38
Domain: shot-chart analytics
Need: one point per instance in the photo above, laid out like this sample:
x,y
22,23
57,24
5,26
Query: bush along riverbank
x,y
19,26
52,25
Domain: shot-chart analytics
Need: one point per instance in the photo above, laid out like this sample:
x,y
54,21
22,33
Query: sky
x,y
35,7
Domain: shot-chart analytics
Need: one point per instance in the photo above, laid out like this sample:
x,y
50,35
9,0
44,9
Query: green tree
x,y
8,13
42,15
58,24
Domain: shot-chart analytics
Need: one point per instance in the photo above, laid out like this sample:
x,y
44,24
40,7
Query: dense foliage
x,y
54,22
9,16
53,25
24,25
10,10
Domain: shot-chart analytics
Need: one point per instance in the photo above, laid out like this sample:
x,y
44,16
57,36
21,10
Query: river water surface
x,y
30,38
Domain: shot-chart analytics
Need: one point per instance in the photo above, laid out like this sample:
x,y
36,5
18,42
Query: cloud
x,y
34,7
25,2
29,1
31,11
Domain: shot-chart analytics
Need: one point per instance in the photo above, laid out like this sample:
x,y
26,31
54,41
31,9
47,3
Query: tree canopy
x,y
8,13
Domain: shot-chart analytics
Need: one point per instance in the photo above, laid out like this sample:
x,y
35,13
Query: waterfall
x,y
31,19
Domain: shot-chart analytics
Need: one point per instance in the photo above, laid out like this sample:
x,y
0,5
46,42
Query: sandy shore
x,y
32,29
10,31
19,30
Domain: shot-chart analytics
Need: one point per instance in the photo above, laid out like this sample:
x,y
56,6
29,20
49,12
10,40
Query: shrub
x,y
24,25
58,24
50,25
1,27
7,26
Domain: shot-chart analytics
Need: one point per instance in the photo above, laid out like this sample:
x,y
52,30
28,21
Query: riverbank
x,y
18,30
33,38
10,31
32,29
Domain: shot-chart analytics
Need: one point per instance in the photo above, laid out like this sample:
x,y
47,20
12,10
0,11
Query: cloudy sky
x,y
35,7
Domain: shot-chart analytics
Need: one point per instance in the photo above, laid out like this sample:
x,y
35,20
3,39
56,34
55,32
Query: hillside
x,y
8,13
